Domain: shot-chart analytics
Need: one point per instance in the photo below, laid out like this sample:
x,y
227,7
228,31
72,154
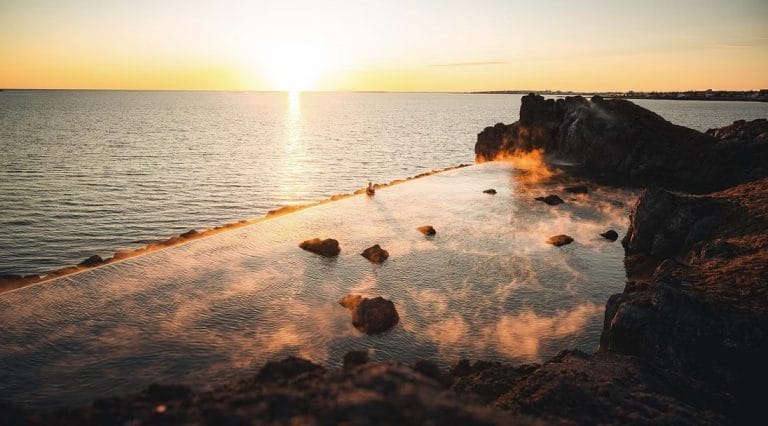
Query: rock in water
x,y
427,230
375,254
552,200
577,189
354,358
190,234
610,235
370,316
490,191
560,240
328,247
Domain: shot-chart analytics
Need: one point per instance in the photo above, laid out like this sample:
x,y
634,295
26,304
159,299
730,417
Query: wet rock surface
x,y
619,141
375,254
577,189
371,316
327,248
551,200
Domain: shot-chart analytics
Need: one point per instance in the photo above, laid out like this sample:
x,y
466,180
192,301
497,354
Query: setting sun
x,y
293,66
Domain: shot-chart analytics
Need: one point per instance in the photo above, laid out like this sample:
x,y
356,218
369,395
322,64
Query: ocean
x,y
91,172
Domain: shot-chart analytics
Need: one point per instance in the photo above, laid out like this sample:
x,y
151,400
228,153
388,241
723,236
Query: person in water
x,y
370,190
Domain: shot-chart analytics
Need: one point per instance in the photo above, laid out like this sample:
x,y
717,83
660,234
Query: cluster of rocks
x,y
374,315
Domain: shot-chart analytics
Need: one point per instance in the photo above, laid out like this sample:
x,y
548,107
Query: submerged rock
x,y
375,254
610,235
370,315
490,191
552,199
577,189
94,260
328,247
559,240
427,230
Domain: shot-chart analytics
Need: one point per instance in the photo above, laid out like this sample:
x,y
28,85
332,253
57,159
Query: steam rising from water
x,y
486,286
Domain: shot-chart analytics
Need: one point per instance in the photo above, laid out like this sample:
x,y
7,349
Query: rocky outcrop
x,y
617,140
371,316
326,248
375,254
697,299
610,235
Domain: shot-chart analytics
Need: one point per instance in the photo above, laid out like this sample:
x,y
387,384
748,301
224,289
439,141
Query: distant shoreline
x,y
707,95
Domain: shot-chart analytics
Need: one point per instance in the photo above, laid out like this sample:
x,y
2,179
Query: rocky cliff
x,y
617,140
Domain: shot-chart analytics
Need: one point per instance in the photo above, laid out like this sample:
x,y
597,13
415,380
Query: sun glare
x,y
294,67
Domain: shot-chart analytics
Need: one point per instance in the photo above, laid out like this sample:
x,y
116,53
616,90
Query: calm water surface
x,y
90,172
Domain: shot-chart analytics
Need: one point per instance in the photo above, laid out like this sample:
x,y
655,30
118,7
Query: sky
x,y
387,45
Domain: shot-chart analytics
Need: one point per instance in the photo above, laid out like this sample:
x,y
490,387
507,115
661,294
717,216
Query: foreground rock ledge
x,y
572,387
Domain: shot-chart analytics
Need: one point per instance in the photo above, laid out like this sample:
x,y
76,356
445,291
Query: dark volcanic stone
x,y
375,254
328,247
610,235
490,191
552,200
560,240
370,315
427,230
577,189
92,261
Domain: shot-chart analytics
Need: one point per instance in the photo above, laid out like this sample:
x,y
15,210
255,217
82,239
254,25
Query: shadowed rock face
x,y
617,140
698,299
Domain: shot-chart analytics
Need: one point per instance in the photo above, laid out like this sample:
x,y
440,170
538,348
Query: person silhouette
x,y
370,191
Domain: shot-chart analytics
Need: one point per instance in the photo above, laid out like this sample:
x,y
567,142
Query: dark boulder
x,y
328,247
610,235
427,230
375,254
559,240
490,191
371,315
94,260
552,200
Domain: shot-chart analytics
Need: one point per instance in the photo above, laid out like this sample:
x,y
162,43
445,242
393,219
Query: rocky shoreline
x,y
685,342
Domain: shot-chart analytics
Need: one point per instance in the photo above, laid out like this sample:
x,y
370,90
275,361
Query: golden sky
x,y
393,45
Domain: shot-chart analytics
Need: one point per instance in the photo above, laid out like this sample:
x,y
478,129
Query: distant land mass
x,y
690,95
